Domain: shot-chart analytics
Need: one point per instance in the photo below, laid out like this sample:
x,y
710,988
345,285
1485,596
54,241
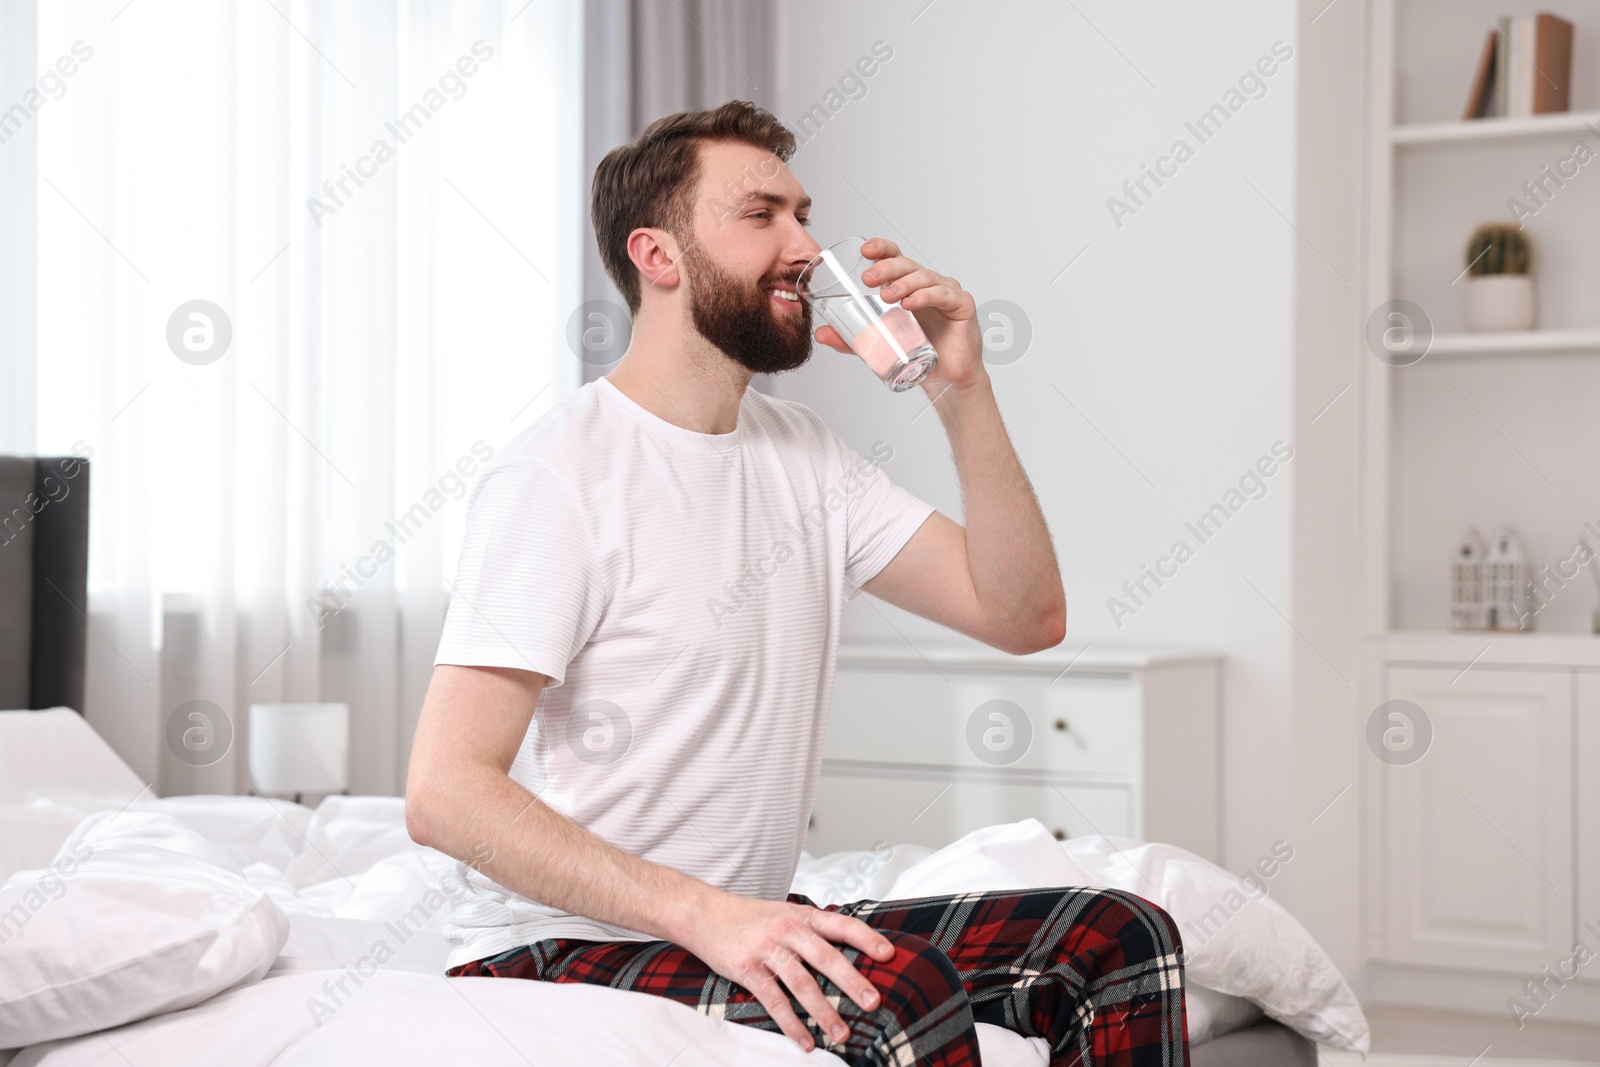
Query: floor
x,y
1493,1039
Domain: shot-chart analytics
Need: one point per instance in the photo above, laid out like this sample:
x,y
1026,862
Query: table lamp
x,y
299,749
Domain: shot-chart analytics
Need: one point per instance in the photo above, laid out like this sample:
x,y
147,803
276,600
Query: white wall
x,y
988,145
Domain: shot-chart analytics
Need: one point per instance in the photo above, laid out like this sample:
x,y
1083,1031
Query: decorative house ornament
x,y
1466,582
1505,583
1499,283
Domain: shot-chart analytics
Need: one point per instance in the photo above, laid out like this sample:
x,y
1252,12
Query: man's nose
x,y
802,250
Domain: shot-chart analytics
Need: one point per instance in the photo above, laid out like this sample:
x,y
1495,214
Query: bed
x,y
141,929
44,554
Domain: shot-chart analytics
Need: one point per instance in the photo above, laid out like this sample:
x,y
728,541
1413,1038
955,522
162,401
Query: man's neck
x,y
673,372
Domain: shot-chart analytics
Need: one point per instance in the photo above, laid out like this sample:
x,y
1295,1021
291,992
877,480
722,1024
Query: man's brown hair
x,y
651,181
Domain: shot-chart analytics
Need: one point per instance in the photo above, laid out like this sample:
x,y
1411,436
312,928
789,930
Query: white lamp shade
x,y
300,748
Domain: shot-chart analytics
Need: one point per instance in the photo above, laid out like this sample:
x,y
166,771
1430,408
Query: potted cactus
x,y
1499,285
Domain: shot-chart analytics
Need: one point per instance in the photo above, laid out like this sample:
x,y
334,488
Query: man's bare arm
x,y
1008,550
461,800
997,578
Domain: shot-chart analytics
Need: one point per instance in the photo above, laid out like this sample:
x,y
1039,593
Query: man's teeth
x,y
786,294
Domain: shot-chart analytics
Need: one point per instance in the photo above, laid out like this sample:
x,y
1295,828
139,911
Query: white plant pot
x,y
1500,302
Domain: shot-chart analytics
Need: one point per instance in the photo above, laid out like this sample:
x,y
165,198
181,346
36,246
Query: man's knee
x,y
1144,928
923,1012
916,981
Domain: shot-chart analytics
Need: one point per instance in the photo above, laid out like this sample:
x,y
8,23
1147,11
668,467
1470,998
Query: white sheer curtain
x,y
280,523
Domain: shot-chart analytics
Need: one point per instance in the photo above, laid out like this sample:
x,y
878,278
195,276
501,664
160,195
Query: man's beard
x,y
737,316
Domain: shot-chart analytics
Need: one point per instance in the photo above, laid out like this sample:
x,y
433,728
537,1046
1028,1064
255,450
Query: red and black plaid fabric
x,y
1096,973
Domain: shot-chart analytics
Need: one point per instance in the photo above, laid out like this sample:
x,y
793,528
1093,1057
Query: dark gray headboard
x,y
44,589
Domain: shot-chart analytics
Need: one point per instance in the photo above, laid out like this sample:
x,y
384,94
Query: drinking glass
x,y
885,335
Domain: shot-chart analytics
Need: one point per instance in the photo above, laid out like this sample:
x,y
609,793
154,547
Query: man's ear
x,y
655,252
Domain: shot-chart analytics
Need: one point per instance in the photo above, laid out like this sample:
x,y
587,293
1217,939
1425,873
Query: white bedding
x,y
344,874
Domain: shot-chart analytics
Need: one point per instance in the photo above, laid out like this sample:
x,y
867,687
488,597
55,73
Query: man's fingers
x,y
830,337
809,994
848,930
772,966
776,1001
887,270
880,248
856,933
825,958
921,278
955,303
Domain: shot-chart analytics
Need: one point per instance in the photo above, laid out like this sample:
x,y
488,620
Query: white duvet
x,y
355,889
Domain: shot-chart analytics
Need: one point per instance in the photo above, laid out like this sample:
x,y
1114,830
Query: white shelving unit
x,y
1481,856
1492,129
1514,341
1473,148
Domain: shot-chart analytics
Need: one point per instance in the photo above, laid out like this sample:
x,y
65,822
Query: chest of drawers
x,y
927,745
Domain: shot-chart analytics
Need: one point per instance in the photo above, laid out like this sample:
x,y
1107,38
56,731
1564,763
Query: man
x,y
623,733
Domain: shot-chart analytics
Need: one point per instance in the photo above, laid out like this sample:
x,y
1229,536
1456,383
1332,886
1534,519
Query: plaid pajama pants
x,y
1096,973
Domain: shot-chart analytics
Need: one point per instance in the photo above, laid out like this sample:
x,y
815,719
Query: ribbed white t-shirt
x,y
682,592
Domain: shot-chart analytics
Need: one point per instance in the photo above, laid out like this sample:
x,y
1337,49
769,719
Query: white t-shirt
x,y
682,591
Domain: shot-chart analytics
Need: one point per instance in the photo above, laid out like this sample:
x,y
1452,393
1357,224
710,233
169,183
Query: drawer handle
x,y
1061,724
1060,835
811,822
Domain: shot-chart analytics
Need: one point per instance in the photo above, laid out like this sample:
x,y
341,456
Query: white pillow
x,y
1260,953
54,770
42,752
1237,938
137,915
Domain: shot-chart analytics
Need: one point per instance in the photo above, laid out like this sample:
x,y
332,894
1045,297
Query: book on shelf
x,y
1524,68
1502,46
1519,80
1481,98
1552,61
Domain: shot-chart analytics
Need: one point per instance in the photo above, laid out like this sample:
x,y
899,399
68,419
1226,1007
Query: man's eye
x,y
760,215
805,221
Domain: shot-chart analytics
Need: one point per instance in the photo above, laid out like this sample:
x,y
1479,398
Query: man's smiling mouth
x,y
786,297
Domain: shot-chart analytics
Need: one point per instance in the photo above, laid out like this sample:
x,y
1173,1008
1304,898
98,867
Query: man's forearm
x,y
1013,563
497,826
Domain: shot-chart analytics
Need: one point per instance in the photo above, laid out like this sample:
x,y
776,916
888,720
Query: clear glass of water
x,y
885,335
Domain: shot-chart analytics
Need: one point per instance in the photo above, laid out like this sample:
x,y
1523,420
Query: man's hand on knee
x,y
760,943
